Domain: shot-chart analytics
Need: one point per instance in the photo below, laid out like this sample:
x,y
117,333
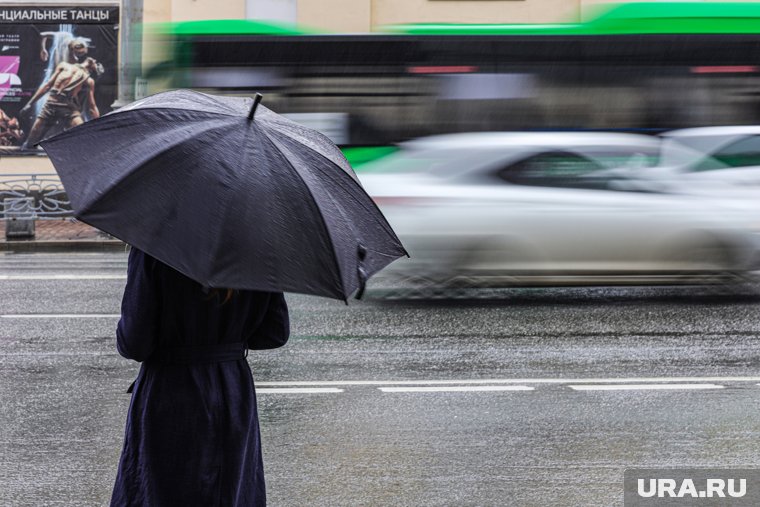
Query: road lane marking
x,y
60,315
636,387
298,390
63,277
622,380
451,389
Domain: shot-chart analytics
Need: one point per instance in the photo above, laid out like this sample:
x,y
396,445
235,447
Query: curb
x,y
62,246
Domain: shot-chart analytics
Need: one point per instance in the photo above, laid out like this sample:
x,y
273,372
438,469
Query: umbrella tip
x,y
256,99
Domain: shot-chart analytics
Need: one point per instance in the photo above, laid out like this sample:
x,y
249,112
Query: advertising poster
x,y
58,68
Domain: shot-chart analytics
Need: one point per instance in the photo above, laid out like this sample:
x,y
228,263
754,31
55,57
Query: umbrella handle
x,y
256,99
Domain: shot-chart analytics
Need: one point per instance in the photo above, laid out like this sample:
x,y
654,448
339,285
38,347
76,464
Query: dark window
x,y
554,169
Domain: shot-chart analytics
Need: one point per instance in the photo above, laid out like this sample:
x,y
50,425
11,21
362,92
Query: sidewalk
x,y
60,235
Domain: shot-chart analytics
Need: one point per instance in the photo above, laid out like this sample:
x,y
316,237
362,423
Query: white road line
x,y
60,316
453,389
297,390
636,387
63,277
621,380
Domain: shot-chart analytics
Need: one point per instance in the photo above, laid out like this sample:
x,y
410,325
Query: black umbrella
x,y
228,193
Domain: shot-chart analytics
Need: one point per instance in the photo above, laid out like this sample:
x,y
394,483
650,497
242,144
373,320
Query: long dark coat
x,y
192,433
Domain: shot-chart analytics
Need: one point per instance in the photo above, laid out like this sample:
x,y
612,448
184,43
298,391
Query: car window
x,y
553,169
742,153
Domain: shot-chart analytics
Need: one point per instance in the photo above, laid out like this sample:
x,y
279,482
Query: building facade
x,y
360,16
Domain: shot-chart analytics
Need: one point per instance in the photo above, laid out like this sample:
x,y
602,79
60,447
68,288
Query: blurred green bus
x,y
643,67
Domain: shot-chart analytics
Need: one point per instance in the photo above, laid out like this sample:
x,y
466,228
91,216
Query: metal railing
x,y
50,200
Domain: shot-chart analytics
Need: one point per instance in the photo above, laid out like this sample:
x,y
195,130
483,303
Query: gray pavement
x,y
504,401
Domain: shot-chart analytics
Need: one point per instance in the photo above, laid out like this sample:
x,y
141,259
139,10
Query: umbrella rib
x,y
147,160
383,223
316,203
274,125
165,108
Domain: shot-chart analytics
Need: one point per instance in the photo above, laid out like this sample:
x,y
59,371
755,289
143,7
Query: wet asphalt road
x,y
483,403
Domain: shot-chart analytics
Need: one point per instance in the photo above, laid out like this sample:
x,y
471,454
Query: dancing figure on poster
x,y
65,47
72,88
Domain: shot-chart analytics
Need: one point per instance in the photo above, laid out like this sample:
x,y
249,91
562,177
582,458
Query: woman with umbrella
x,y
192,434
213,192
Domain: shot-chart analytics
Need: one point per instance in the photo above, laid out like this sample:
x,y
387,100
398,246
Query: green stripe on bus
x,y
633,18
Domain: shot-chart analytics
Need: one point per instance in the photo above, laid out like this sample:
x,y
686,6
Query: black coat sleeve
x,y
274,329
138,329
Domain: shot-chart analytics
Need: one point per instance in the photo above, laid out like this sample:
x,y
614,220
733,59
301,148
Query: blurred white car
x,y
509,209
565,154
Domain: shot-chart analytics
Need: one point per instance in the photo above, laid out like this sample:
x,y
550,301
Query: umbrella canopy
x,y
228,193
